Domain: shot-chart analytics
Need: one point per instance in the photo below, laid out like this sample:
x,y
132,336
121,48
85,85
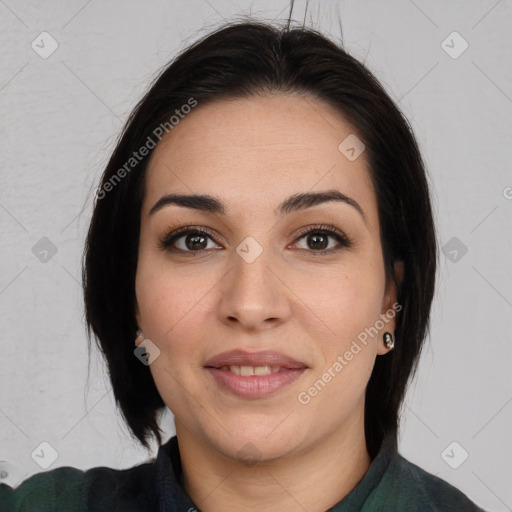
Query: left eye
x,y
317,240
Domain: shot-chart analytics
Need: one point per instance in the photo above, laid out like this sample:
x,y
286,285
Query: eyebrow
x,y
297,202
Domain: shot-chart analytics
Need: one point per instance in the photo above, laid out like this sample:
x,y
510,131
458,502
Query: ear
x,y
390,307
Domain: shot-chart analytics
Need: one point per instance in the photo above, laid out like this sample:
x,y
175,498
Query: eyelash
x,y
170,237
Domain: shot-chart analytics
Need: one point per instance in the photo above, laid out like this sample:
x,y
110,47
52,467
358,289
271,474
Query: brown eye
x,y
195,241
187,240
317,240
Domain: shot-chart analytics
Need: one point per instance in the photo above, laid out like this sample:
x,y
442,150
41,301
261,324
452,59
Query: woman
x,y
261,260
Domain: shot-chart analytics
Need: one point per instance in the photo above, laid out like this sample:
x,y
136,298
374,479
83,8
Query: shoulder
x,y
74,490
412,486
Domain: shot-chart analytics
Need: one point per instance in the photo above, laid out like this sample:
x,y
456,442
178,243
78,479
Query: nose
x,y
253,295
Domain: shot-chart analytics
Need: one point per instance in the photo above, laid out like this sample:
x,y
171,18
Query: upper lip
x,y
263,358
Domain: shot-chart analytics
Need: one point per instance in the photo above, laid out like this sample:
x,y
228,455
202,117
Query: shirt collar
x,y
172,496
356,499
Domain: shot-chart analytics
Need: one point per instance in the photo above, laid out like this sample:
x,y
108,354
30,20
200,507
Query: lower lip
x,y
255,386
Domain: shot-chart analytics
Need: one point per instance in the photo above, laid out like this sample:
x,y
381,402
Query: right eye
x,y
195,240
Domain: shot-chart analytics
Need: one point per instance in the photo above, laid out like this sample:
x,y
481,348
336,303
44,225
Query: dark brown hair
x,y
239,60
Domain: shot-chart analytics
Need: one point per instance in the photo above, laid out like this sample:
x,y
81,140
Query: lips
x,y
254,375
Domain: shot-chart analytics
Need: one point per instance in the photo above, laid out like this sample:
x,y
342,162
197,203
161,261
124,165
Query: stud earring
x,y
388,340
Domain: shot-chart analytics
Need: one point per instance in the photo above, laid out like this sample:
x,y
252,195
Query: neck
x,y
315,479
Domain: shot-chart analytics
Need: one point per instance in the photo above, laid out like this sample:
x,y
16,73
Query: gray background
x,y
60,117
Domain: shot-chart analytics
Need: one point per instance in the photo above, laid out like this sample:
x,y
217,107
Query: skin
x,y
252,154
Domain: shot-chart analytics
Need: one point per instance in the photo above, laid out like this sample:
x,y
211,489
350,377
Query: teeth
x,y
247,371
262,370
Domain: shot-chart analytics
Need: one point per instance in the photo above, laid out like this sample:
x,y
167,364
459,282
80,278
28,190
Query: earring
x,y
140,337
388,340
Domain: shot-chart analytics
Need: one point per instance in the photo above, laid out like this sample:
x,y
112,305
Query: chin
x,y
254,440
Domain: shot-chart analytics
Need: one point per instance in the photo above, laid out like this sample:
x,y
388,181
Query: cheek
x,y
169,316
172,314
335,391
347,301
165,309
163,297
349,304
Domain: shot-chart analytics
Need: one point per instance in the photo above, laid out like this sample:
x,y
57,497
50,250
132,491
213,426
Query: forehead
x,y
253,152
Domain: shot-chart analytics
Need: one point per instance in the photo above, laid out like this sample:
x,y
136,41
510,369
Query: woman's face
x,y
255,282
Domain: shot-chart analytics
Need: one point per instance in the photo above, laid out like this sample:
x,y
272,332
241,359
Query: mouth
x,y
254,375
